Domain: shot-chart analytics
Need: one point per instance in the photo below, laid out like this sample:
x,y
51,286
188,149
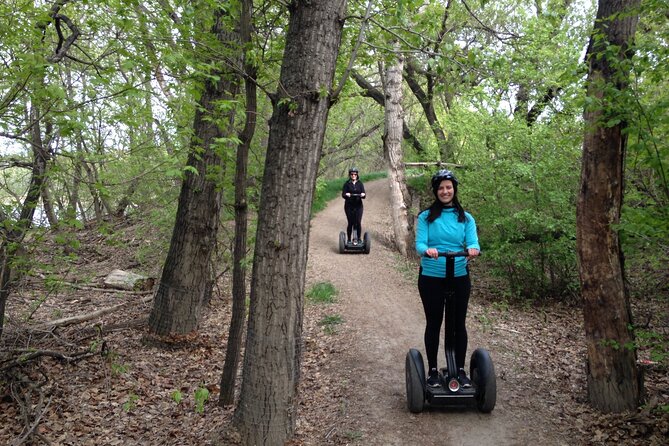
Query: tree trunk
x,y
613,383
186,274
12,238
426,100
235,332
392,150
266,411
372,92
47,205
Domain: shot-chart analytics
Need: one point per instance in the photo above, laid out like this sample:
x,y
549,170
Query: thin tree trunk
x,y
613,379
47,204
392,150
235,332
126,200
13,237
267,408
426,100
91,175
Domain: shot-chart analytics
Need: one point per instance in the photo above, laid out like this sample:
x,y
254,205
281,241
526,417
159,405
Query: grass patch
x,y
329,323
322,293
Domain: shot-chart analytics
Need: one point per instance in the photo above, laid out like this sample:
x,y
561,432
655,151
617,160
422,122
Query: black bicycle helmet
x,y
353,170
442,175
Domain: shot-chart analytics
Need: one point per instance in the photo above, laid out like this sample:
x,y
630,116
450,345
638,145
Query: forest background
x,y
98,100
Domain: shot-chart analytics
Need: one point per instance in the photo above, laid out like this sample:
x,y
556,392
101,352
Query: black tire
x,y
342,242
482,372
368,243
415,381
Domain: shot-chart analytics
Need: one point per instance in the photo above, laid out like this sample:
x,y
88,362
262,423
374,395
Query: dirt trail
x,y
383,315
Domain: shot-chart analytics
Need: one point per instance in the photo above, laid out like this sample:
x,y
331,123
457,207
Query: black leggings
x,y
439,306
354,217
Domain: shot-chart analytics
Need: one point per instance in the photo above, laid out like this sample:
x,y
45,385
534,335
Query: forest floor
x,y
111,387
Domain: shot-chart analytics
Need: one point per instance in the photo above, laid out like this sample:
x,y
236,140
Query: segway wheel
x,y
342,242
368,243
482,372
415,381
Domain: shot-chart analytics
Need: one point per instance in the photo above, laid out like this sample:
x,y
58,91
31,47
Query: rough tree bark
x,y
185,280
266,411
613,378
392,151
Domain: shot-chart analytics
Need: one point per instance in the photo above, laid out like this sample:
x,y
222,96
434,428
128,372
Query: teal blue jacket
x,y
445,234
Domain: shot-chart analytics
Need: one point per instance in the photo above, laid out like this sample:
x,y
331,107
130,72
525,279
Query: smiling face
x,y
446,192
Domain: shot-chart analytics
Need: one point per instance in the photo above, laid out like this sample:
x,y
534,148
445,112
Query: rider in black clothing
x,y
353,192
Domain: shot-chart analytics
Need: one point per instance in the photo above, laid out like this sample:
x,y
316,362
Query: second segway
x,y
355,245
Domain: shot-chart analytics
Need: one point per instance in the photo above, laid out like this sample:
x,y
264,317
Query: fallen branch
x,y
30,355
87,317
32,429
106,290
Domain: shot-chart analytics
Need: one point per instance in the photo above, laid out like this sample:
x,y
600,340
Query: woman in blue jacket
x,y
445,226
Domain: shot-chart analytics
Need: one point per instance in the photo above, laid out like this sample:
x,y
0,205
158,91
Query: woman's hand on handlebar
x,y
432,252
473,252
348,194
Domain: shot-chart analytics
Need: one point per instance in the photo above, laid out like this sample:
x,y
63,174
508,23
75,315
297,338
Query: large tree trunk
x,y
613,383
392,150
235,332
186,275
266,411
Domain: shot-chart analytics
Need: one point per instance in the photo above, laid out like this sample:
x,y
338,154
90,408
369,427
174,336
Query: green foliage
x,y
177,396
201,396
322,293
655,343
131,403
119,369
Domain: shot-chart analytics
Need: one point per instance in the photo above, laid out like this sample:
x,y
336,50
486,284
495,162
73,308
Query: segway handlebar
x,y
450,254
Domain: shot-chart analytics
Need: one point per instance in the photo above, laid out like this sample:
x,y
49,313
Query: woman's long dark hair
x,y
437,206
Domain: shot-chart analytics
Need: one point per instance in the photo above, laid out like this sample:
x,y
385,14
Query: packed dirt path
x,y
383,318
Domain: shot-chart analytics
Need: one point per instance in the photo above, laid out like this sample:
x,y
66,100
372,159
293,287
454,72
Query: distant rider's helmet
x,y
440,176
353,170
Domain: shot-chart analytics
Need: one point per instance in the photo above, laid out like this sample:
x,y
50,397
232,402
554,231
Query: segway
x,y
356,245
482,394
